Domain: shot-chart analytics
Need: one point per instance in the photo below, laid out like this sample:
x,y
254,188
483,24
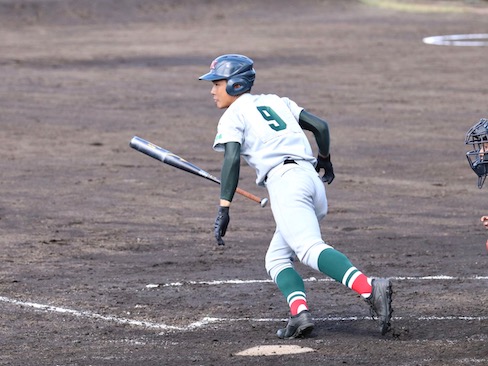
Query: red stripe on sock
x,y
361,285
296,304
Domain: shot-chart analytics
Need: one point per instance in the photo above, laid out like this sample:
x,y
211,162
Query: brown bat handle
x,y
244,193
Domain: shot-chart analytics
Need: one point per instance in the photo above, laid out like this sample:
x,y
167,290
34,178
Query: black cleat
x,y
380,303
300,325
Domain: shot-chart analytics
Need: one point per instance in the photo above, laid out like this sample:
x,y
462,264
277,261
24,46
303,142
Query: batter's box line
x,y
311,279
108,318
335,319
165,328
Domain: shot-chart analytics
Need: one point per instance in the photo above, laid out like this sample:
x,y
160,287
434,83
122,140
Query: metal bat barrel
x,y
168,157
149,148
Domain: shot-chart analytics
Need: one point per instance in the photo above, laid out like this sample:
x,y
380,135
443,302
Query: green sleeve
x,y
229,176
319,128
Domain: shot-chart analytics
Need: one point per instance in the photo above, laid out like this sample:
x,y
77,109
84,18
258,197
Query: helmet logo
x,y
212,65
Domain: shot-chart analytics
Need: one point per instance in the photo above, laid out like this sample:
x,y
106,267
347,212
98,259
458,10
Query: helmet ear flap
x,y
237,85
241,83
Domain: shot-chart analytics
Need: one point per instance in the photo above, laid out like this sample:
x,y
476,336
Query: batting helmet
x,y
478,157
236,69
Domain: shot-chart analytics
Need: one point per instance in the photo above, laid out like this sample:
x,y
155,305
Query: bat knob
x,y
264,202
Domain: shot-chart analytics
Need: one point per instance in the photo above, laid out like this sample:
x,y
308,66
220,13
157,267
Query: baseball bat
x,y
169,158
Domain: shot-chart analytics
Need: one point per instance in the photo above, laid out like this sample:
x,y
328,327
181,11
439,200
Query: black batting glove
x,y
221,223
324,163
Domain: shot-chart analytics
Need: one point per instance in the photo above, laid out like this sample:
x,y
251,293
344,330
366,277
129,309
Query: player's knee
x,y
274,267
310,256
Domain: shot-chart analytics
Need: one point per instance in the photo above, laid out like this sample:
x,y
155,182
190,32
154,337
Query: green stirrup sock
x,y
334,264
293,289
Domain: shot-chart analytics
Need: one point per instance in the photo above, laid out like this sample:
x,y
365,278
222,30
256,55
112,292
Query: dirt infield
x,y
87,223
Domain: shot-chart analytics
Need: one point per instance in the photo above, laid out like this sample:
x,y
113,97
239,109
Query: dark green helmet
x,y
236,69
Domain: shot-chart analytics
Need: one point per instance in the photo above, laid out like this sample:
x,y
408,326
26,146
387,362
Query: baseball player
x,y
267,131
477,136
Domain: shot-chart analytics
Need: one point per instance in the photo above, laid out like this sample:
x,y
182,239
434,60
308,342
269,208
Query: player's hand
x,y
325,163
221,223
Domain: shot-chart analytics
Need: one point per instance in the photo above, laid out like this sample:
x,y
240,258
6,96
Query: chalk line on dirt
x,y
426,7
311,279
108,318
473,40
204,321
210,320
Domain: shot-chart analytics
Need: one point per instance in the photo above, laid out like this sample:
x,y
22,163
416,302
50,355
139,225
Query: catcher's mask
x,y
478,157
236,69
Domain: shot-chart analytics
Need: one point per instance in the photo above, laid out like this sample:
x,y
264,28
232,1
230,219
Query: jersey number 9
x,y
270,115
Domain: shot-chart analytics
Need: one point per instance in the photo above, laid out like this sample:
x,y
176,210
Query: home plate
x,y
274,350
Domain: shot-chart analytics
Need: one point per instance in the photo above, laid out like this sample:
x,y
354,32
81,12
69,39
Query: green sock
x,y
334,264
337,266
293,289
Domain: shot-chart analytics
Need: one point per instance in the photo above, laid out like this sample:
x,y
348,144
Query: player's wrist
x,y
224,203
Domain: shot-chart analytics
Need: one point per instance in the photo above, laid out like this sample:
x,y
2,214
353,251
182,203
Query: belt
x,y
287,161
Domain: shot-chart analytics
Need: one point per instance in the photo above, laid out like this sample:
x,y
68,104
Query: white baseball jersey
x,y
267,128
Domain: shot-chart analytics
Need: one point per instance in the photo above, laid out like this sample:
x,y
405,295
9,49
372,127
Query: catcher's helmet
x,y
236,69
478,157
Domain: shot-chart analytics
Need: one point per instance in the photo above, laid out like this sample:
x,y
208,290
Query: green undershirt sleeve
x,y
319,128
229,176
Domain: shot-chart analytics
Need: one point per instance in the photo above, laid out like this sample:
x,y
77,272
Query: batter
x,y
267,131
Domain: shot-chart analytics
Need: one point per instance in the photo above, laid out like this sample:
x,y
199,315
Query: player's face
x,y
220,96
483,151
